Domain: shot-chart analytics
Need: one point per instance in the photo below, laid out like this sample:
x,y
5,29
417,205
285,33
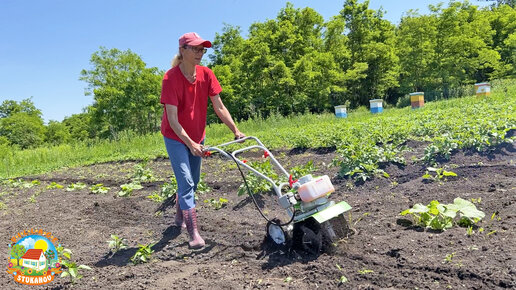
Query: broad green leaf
x,y
418,208
84,267
449,213
449,173
73,271
472,213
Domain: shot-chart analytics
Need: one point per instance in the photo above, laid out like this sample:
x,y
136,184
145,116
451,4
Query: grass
x,y
458,118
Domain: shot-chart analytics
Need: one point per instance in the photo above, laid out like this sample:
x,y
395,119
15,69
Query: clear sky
x,y
44,44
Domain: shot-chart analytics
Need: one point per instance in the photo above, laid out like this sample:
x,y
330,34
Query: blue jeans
x,y
187,169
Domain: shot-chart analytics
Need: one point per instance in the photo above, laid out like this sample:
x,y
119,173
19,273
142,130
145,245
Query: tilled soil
x,y
386,251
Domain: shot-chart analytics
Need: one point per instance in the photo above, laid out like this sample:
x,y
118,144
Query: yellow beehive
x,y
417,100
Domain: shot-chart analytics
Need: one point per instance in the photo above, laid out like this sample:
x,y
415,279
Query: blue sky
x,y
44,44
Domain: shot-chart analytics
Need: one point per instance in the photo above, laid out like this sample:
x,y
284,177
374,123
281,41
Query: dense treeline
x,y
298,62
295,63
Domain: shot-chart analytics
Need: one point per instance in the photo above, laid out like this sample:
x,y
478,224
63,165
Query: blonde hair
x,y
177,59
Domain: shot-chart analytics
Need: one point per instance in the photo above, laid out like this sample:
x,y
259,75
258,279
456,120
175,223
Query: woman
x,y
184,95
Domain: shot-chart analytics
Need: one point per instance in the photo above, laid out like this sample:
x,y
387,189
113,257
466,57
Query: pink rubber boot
x,y
179,217
190,217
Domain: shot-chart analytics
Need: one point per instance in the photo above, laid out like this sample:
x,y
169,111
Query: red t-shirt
x,y
191,100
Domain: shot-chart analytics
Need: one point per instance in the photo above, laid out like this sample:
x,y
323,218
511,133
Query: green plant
x,y
202,187
343,279
20,183
448,258
168,190
142,174
216,204
99,188
440,174
71,269
302,170
476,200
64,253
128,188
75,186
257,184
53,185
443,216
116,244
3,206
143,254
365,271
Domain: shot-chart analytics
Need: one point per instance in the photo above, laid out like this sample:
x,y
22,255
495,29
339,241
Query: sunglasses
x,y
196,49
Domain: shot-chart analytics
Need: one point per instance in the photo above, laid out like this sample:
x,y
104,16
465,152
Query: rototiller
x,y
316,222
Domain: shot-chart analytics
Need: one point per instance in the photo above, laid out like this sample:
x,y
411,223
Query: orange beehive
x,y
417,100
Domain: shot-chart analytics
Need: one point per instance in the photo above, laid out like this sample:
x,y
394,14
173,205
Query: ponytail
x,y
177,60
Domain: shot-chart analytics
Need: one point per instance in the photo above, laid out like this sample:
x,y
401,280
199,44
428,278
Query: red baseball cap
x,y
192,38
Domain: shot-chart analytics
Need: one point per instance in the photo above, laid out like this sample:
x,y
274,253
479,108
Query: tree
x,y
79,126
23,129
372,45
126,93
503,21
17,251
10,107
57,133
463,53
416,36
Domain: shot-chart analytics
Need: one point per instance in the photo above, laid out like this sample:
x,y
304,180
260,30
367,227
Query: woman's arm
x,y
224,115
194,147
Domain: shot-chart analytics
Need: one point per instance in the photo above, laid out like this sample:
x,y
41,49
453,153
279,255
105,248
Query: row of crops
x,y
363,141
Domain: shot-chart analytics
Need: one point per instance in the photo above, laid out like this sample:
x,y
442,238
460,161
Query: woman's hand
x,y
196,149
239,135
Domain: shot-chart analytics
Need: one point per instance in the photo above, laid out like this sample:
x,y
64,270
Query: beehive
x,y
483,89
417,100
376,105
340,111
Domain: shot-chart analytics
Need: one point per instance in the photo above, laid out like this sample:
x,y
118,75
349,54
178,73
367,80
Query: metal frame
x,y
277,187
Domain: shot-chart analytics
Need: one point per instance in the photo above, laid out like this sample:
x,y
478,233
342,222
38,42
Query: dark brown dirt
x,y
386,251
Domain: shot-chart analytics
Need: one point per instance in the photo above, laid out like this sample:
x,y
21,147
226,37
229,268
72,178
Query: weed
x,y
448,258
476,200
343,279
